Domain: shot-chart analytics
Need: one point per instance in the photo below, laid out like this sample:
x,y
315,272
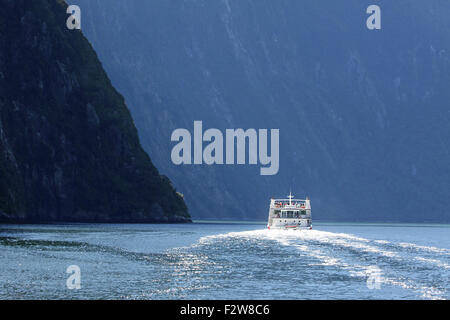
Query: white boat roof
x,y
290,197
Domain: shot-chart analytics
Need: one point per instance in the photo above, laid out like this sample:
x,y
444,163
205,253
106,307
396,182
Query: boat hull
x,y
290,214
285,224
288,228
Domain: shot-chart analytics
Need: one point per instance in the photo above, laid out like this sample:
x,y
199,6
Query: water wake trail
x,y
360,257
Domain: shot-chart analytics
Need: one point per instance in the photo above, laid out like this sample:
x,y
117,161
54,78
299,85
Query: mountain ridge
x,y
69,149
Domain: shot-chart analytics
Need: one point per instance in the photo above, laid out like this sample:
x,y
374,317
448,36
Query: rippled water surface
x,y
226,261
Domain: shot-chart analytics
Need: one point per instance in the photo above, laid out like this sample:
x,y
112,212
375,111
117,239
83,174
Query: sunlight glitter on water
x,y
225,261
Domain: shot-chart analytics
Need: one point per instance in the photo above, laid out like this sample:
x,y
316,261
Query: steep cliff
x,y
69,150
363,115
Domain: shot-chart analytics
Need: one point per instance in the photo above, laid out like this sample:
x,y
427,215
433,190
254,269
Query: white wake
x,y
324,247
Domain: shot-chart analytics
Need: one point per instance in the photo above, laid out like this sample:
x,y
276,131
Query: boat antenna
x,y
290,196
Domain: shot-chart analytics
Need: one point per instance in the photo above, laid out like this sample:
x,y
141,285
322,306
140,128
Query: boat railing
x,y
295,206
299,216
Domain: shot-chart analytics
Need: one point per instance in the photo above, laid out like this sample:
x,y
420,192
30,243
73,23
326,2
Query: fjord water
x,y
226,261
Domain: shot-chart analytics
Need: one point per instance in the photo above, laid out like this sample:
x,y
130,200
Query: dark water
x,y
225,261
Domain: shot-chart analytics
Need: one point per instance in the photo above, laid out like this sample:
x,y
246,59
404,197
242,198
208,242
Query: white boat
x,y
290,213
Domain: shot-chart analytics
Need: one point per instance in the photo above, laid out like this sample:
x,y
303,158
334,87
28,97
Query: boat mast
x,y
290,196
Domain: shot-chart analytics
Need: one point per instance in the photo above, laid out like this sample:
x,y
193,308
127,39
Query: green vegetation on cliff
x,y
69,150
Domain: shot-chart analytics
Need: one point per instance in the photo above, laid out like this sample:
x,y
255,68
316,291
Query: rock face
x,y
363,115
69,150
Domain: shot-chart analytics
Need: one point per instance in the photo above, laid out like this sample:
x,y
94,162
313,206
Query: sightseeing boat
x,y
290,213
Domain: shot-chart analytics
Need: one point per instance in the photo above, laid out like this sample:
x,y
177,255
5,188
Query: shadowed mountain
x,y
69,150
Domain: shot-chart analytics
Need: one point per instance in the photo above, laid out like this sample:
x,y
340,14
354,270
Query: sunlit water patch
x,y
212,261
